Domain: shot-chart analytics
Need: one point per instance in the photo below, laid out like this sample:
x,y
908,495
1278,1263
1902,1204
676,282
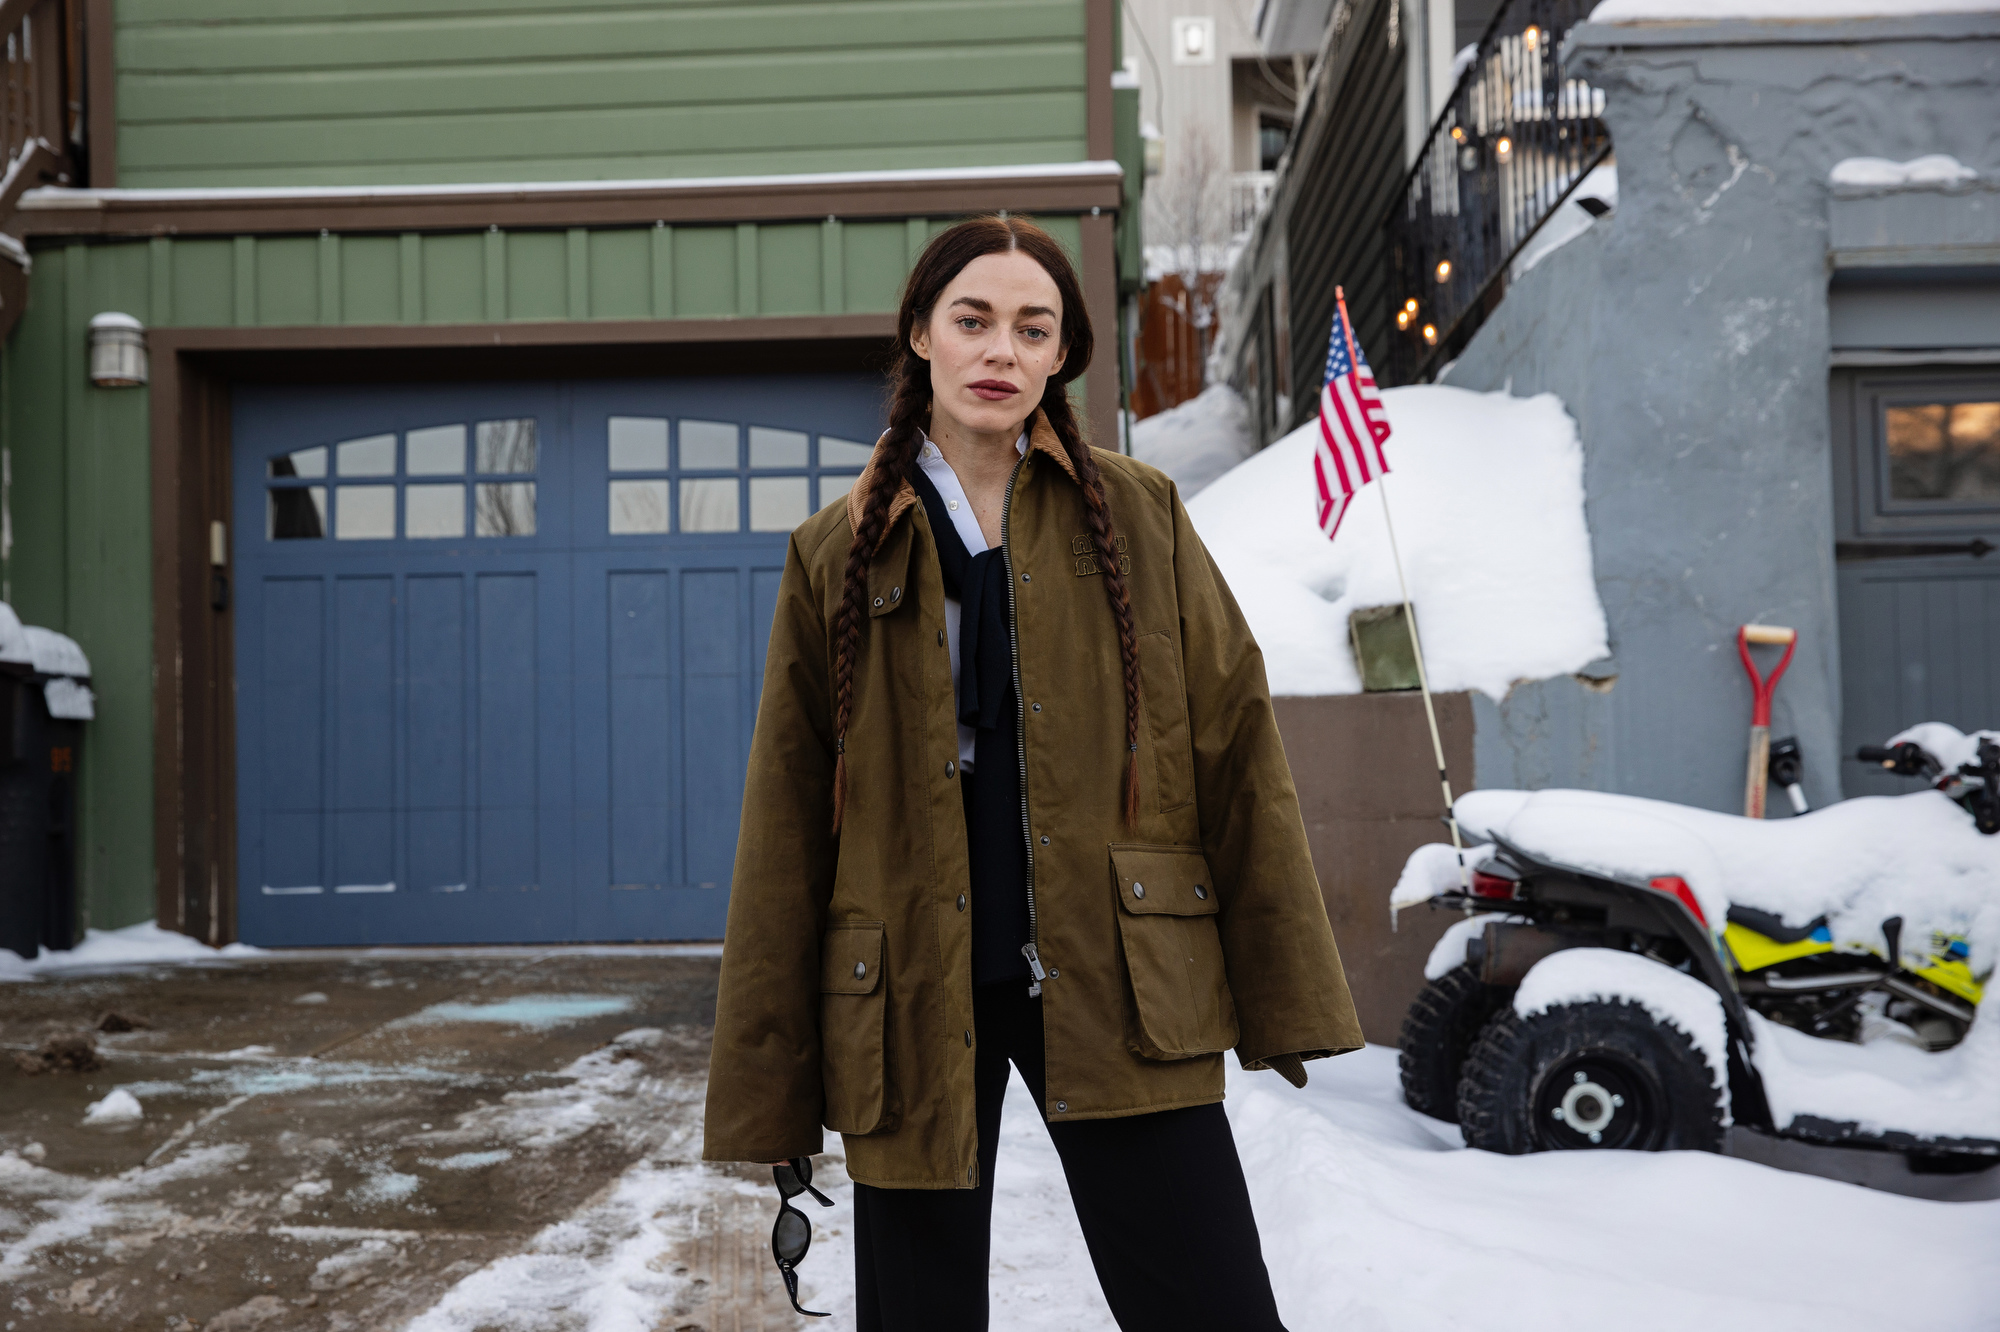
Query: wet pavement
x,y
454,1140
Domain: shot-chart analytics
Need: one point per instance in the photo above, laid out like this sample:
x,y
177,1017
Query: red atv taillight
x,y
1492,885
1675,886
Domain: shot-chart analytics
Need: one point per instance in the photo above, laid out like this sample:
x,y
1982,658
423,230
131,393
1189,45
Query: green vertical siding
x,y
337,92
79,500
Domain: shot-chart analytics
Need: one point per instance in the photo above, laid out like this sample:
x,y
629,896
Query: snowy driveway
x,y
508,1140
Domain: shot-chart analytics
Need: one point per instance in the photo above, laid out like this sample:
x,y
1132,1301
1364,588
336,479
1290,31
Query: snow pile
x,y
1434,869
1605,975
1197,441
1569,221
1858,862
120,1107
139,945
1881,173
1668,11
1450,949
56,654
1487,492
14,638
1886,1085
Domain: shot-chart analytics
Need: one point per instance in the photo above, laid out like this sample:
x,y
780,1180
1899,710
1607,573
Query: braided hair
x,y
895,458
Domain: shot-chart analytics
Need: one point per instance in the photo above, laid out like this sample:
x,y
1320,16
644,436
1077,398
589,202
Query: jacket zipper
x,y
1014,648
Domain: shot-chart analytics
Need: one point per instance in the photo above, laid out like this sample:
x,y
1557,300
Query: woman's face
x,y
993,340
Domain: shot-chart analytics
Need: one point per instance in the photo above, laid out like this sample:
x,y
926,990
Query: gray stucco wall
x,y
1688,333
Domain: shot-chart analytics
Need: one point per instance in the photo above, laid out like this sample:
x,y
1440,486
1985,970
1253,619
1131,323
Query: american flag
x,y
1352,427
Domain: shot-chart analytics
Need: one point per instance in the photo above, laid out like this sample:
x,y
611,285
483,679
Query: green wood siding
x,y
79,498
344,92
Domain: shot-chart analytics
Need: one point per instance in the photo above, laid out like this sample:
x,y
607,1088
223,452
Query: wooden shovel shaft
x,y
1760,772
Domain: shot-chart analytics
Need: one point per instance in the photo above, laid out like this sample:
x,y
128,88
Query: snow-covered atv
x,y
1638,974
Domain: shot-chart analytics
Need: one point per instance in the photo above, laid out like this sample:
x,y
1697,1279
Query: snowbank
x,y
1588,975
1197,441
1668,11
1857,862
135,945
1487,492
1881,173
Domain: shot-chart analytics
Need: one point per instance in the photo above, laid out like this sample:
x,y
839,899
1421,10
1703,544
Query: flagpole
x,y
1410,619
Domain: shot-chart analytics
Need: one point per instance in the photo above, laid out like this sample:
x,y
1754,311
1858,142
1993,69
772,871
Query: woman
x,y
1016,794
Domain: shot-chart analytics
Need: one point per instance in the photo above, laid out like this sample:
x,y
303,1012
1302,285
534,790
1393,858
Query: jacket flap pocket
x,y
1163,880
851,957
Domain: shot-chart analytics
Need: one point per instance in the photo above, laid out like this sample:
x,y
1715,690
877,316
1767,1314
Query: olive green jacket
x,y
846,989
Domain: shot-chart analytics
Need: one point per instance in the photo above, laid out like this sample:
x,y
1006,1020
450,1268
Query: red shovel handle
x,y
1762,687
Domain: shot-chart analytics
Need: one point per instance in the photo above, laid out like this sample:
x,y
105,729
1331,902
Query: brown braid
x,y
909,406
909,411
1062,419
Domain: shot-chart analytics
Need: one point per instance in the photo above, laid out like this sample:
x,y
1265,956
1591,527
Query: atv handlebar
x,y
1905,760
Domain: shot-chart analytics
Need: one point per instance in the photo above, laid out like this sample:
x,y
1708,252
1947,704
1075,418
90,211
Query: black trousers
x,y
1161,1199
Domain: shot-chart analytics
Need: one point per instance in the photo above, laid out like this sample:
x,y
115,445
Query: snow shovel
x,y
1761,689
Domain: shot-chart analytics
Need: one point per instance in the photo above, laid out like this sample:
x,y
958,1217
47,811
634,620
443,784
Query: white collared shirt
x,y
931,459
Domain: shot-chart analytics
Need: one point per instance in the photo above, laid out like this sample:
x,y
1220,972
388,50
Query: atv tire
x,y
1590,1075
1438,1033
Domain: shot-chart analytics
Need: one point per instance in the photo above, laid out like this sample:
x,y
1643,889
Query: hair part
x,y
909,411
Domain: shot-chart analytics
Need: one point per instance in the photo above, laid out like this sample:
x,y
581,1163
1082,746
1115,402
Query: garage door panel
x,y
638,731
289,722
363,725
436,706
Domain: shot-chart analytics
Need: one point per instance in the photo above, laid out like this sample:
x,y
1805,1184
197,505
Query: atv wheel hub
x,y
1588,1107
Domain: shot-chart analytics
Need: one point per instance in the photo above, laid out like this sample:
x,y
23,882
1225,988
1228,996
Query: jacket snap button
x,y
961,901
1054,974
949,767
940,638
895,594
1201,892
1138,890
1027,578
968,1040
1038,707
1045,839
878,601
860,970
1062,1107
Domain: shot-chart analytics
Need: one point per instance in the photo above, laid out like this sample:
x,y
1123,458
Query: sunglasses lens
x,y
791,1237
788,1182
803,1168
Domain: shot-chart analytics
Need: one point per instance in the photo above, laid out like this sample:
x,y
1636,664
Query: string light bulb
x,y
1430,335
1444,270
1504,149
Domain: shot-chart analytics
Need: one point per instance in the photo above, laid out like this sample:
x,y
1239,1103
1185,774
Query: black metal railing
x,y
1520,131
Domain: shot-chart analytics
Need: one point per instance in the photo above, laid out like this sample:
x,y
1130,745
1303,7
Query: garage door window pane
x,y
295,515
833,487
709,505
708,445
303,462
373,456
1945,451
505,509
779,503
434,511
436,451
365,513
638,506
638,444
507,446
775,448
843,452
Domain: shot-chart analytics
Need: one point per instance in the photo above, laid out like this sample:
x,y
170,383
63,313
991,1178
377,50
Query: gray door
x,y
1917,481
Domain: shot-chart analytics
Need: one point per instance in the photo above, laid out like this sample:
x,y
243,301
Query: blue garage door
x,y
498,647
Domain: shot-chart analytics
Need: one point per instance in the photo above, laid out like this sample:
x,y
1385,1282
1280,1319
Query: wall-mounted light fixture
x,y
117,351
1194,40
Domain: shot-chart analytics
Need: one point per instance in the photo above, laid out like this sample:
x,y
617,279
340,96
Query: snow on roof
x,y
1668,11
1487,493
1858,862
1881,173
56,654
1197,441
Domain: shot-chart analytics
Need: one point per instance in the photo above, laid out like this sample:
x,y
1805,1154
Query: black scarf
x,y
978,583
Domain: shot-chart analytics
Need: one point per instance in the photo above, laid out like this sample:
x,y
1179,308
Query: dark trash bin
x,y
44,701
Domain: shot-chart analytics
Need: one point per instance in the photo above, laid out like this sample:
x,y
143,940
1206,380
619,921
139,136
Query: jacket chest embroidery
x,y
1085,550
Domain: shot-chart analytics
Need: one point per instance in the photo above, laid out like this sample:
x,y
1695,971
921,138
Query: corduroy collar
x,y
1041,436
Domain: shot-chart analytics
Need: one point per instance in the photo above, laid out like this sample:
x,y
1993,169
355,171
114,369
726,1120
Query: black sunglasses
x,y
793,1234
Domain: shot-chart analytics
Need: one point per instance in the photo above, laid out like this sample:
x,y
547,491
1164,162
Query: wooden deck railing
x,y
41,120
